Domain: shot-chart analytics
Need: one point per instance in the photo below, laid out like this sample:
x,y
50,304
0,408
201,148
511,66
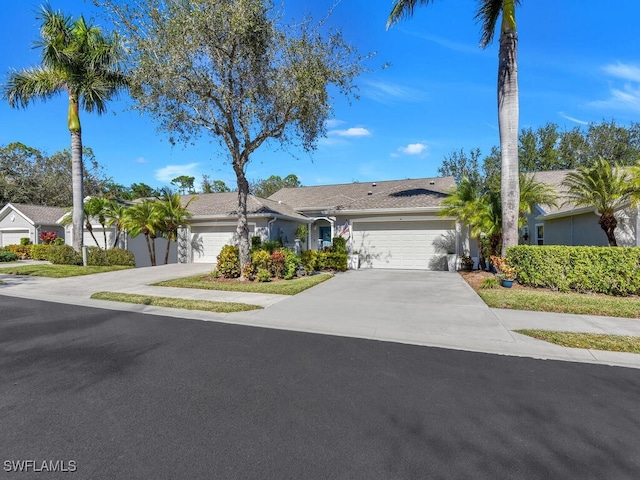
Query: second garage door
x,y
403,245
13,237
206,242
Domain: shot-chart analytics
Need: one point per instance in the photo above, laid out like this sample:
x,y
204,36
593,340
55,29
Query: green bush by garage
x,y
608,270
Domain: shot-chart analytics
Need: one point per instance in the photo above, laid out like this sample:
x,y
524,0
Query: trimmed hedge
x,y
40,252
331,261
22,251
608,270
64,255
7,256
121,257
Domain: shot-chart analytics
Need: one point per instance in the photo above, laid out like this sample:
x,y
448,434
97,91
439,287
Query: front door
x,y
325,236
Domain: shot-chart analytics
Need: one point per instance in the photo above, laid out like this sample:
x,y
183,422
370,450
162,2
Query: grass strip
x,y
186,304
281,287
592,341
580,303
58,271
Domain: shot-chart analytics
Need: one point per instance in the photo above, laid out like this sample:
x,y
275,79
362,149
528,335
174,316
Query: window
x,y
540,234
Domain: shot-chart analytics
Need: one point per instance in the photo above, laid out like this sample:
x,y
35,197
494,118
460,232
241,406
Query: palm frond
x,y
40,82
404,9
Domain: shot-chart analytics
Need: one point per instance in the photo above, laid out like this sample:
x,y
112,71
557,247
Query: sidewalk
x,y
435,309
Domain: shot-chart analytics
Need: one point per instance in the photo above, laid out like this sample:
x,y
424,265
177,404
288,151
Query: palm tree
x,y
96,207
173,215
115,213
488,15
79,60
604,187
144,218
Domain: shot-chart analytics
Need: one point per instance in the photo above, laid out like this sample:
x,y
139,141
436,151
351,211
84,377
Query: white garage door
x,y
206,242
405,245
13,237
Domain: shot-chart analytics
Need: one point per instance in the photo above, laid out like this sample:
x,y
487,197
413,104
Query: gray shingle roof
x,y
554,179
39,214
217,204
410,193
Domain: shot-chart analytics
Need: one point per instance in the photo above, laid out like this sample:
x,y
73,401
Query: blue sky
x,y
579,62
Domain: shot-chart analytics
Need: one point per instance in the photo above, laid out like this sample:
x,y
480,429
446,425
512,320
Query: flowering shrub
x,y
47,237
278,264
261,259
229,262
263,275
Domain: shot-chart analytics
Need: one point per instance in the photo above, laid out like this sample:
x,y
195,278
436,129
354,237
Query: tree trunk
x,y
166,253
243,226
608,223
153,250
90,230
508,112
77,186
151,253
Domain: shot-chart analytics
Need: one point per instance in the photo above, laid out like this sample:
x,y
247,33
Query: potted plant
x,y
506,273
354,260
466,263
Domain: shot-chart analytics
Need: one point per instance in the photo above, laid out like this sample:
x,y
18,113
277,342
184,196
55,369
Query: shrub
x,y
96,256
6,256
291,263
608,270
64,255
339,245
229,262
309,259
263,275
58,241
271,245
256,242
332,261
40,252
249,271
47,237
25,241
302,232
22,251
261,259
278,264
120,256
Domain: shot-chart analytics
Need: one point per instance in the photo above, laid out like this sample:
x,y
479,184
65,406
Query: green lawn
x,y
57,271
612,343
281,287
187,304
545,301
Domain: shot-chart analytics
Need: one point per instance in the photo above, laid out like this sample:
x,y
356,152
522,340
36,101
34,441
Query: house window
x,y
540,234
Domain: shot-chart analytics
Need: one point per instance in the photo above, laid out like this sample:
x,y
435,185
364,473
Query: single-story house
x,y
567,224
391,224
214,222
19,221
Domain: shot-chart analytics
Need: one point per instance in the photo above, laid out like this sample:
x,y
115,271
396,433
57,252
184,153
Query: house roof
x,y
226,204
391,194
39,214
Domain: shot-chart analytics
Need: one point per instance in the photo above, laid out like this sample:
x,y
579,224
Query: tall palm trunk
x,y
77,181
508,112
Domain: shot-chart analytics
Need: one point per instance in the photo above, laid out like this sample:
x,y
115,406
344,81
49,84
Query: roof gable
x,y
36,214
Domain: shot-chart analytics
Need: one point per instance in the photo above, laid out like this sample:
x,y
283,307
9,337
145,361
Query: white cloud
x,y
333,123
351,132
168,173
389,93
623,71
414,149
624,96
141,160
573,119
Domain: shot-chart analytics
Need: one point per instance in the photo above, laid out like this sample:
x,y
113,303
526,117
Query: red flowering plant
x,y
48,237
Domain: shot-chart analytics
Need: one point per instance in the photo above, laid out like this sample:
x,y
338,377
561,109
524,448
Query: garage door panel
x,y
13,237
405,245
206,242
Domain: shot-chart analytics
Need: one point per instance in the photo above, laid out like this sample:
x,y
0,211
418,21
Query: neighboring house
x,y
392,224
27,221
566,224
214,222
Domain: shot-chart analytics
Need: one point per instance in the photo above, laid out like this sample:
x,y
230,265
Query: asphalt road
x,y
131,396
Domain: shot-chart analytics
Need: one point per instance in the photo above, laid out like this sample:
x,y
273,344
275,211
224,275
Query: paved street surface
x,y
132,396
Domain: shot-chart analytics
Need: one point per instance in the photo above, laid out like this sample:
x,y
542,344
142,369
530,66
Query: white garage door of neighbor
x,y
206,242
403,245
13,237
